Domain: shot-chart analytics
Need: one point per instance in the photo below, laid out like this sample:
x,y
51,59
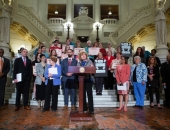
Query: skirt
x,y
40,91
124,92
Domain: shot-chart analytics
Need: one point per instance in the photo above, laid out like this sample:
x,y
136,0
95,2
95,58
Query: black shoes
x,y
44,110
98,93
137,106
140,107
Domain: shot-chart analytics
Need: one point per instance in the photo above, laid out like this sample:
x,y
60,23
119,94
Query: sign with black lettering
x,y
126,49
101,68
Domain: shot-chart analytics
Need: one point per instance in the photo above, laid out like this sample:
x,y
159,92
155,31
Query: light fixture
x,y
82,37
56,12
68,25
97,25
110,13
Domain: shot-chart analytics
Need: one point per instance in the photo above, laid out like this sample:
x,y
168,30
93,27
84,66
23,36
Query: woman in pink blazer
x,y
122,78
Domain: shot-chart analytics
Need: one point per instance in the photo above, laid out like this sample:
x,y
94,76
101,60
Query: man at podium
x,y
84,61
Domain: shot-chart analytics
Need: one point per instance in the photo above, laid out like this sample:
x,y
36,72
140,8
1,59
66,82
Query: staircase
x,y
141,18
107,99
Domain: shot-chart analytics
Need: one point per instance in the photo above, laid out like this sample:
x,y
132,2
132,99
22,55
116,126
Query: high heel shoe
x,y
125,110
120,108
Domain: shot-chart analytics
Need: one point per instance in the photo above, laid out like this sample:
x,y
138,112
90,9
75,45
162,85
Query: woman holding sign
x,y
122,78
84,61
99,81
52,75
54,53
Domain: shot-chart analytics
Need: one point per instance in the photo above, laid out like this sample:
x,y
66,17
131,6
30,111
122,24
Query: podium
x,y
81,71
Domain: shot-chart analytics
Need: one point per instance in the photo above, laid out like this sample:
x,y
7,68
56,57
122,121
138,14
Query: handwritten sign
x,y
93,51
59,52
77,50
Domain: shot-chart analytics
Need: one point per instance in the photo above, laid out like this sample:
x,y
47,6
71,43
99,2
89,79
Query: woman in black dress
x,y
153,80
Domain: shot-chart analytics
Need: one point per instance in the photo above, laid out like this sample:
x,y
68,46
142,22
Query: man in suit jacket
x,y
4,69
22,65
165,73
69,79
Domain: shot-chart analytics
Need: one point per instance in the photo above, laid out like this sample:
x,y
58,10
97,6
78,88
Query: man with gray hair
x,y
139,79
87,50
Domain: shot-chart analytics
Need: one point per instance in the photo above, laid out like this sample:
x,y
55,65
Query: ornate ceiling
x,y
145,31
22,31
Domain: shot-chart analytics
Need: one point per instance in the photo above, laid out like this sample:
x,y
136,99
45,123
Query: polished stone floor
x,y
104,119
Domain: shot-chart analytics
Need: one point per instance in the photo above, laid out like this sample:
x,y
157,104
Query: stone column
x,y
96,11
7,53
69,10
162,52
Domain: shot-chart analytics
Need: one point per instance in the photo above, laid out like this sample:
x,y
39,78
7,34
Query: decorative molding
x,y
143,16
145,31
83,19
24,32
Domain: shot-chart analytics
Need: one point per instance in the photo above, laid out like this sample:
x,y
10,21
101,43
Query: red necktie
x,y
69,62
24,61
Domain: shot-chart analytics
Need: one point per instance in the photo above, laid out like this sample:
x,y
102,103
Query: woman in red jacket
x,y
122,78
109,79
102,50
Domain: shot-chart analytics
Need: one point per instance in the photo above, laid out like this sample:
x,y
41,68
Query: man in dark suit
x,y
69,79
4,69
165,73
22,65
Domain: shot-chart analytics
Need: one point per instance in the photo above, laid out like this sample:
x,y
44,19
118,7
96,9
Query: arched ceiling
x,y
145,31
24,32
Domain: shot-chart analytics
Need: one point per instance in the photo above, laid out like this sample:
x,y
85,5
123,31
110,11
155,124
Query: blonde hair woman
x,y
84,61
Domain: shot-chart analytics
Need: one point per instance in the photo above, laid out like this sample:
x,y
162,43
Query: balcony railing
x,y
110,21
56,21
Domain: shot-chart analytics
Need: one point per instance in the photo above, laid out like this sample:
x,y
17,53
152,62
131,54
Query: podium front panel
x,y
82,70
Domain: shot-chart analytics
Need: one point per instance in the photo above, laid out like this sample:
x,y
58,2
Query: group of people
x,y
50,71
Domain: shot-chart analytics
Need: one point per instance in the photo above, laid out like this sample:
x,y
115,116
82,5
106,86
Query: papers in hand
x,y
123,87
53,71
34,68
19,77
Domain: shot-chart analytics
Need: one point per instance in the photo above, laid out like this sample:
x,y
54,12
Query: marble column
x,y
69,10
6,47
162,52
96,11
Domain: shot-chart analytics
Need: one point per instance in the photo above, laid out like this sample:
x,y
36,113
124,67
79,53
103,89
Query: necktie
x,y
69,62
1,64
24,62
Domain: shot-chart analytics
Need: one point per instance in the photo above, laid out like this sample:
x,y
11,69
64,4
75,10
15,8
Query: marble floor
x,y
103,119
